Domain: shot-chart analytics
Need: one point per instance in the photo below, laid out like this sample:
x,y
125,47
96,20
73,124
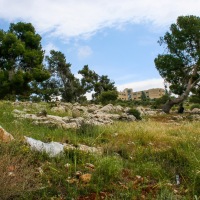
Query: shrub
x,y
194,99
195,106
158,103
135,113
108,96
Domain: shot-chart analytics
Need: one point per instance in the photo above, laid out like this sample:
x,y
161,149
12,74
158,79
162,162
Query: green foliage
x,y
108,170
21,58
148,156
135,113
108,96
158,103
194,99
61,78
143,96
195,106
180,65
91,81
89,78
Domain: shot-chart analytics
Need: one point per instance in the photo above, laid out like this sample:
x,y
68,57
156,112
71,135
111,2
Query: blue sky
x,y
117,38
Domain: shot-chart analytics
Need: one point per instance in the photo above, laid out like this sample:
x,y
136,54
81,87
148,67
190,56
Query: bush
x,y
194,99
158,103
135,113
108,96
195,106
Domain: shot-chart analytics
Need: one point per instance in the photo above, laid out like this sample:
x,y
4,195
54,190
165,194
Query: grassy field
x,y
154,158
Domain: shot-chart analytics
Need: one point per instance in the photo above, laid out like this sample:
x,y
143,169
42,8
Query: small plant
x,y
135,113
108,170
88,130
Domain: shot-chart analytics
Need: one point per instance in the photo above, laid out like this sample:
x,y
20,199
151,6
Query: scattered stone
x,y
89,165
11,174
40,170
58,109
42,113
194,117
5,136
88,149
71,181
67,165
78,174
11,168
126,117
85,178
92,114
54,149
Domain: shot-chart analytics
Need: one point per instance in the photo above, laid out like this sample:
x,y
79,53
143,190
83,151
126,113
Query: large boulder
x,y
5,136
141,110
195,117
54,149
195,110
108,108
119,108
126,117
92,108
59,109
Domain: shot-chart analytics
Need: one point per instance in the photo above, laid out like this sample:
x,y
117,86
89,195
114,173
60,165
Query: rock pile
x,y
92,114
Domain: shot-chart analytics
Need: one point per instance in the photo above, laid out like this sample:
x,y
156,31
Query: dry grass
x,y
18,175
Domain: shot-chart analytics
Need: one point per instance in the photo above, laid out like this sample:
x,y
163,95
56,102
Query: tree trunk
x,y
168,105
171,102
181,109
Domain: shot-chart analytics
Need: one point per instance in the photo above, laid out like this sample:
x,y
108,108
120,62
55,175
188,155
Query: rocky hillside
x,y
71,151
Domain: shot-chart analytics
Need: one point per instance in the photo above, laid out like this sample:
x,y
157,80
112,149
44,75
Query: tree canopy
x,y
21,58
91,81
180,65
68,85
24,74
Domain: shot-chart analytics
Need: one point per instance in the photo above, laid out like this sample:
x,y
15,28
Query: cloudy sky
x,y
117,38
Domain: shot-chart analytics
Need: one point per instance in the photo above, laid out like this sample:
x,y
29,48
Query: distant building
x,y
128,94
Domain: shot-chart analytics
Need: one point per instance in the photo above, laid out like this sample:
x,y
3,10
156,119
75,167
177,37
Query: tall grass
x,y
141,160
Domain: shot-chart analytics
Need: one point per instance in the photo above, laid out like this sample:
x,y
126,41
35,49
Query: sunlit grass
x,y
141,158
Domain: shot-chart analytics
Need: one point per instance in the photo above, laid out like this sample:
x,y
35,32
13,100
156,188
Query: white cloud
x,y
143,85
79,76
69,18
89,95
84,52
50,47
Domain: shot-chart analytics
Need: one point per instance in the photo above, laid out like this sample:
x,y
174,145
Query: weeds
x,y
19,175
141,160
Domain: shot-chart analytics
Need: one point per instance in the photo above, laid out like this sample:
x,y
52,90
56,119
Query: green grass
x,y
140,160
